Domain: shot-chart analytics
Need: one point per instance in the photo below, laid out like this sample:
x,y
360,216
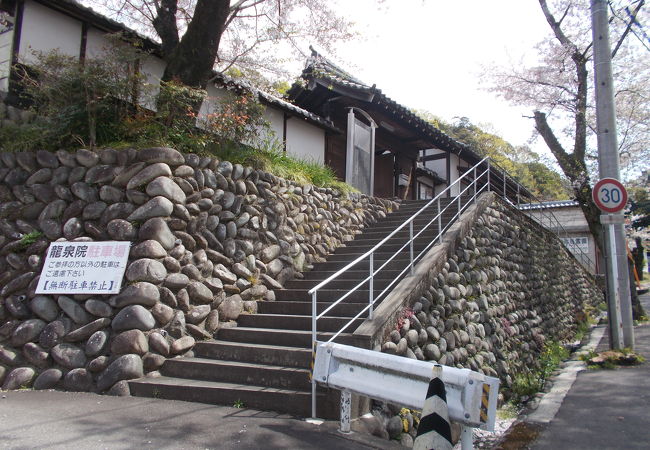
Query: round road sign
x,y
609,195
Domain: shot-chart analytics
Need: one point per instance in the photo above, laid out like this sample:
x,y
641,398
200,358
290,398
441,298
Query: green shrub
x,y
531,381
78,103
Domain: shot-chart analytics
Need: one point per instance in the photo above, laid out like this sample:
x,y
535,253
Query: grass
x,y
583,329
272,158
238,404
508,411
531,381
29,238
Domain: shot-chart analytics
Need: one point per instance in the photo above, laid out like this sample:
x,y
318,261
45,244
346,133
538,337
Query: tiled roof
x,y
274,100
102,21
550,204
319,66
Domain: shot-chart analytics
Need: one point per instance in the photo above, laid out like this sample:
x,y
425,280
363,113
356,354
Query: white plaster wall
x,y
305,141
6,41
439,165
44,30
152,69
275,118
96,43
454,163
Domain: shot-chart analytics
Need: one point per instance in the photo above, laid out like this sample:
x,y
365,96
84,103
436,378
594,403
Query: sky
x,y
434,55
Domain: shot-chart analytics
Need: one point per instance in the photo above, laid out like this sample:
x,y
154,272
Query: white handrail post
x,y
439,222
488,176
371,293
411,244
313,349
505,195
475,183
518,198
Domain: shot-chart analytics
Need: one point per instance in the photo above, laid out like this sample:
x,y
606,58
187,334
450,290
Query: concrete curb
x,y
550,403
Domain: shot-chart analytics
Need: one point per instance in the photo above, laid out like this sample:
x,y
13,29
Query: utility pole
x,y
618,282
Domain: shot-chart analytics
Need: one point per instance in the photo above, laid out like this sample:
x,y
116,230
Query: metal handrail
x,y
412,257
553,222
474,188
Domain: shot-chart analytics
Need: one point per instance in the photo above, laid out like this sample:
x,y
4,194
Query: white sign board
x,y
84,268
574,243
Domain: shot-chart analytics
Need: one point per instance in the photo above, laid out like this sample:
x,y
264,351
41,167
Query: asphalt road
x,y
69,420
606,409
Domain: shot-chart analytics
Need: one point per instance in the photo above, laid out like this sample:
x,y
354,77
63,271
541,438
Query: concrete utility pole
x,y
618,282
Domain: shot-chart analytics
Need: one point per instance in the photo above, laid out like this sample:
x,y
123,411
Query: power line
x,y
639,26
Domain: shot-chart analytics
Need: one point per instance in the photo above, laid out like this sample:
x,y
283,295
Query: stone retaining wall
x,y
209,240
505,287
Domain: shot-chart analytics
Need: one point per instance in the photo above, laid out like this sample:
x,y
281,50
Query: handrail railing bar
x,y
362,257
411,244
438,216
424,250
349,323
499,172
548,215
372,284
347,294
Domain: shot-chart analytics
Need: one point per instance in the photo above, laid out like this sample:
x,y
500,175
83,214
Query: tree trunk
x,y
192,60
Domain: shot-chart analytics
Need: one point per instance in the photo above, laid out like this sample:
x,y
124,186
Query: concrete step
x,y
391,246
253,353
324,295
238,372
347,257
296,322
288,338
379,283
304,308
373,238
379,235
319,275
289,401
399,219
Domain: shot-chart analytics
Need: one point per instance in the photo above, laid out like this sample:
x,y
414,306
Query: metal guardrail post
x,y
346,411
505,195
411,244
371,292
314,311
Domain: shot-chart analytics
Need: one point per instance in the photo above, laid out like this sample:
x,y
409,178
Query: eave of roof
x,y
320,68
265,97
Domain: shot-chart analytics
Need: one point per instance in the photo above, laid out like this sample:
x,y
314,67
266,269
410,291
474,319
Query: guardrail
x,y
484,176
471,396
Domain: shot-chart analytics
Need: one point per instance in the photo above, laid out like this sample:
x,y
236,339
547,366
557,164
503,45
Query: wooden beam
x,y
434,157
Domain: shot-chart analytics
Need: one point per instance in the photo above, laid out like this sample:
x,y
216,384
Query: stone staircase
x,y
263,363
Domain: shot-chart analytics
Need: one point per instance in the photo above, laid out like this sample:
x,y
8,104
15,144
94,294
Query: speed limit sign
x,y
609,195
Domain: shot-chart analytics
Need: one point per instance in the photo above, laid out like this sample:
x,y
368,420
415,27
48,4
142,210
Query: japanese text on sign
x,y
84,268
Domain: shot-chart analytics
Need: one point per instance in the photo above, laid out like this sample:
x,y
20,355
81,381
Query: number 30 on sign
x,y
609,195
